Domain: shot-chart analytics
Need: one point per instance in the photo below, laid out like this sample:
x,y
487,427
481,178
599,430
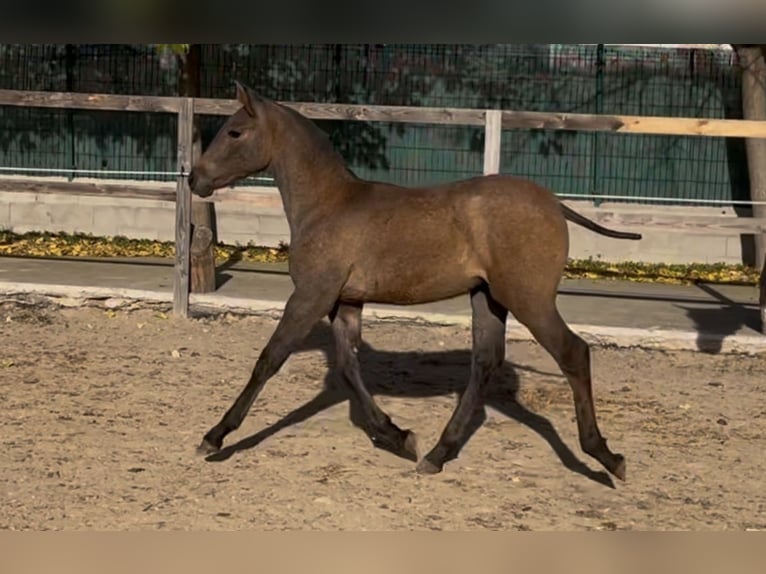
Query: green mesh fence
x,y
536,77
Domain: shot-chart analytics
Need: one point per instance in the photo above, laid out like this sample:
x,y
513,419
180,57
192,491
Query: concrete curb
x,y
664,339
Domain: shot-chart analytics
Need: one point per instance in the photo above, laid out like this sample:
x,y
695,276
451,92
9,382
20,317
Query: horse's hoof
x,y
425,466
398,442
410,446
619,468
206,449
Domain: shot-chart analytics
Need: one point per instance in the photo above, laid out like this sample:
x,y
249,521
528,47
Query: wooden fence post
x,y
183,209
493,130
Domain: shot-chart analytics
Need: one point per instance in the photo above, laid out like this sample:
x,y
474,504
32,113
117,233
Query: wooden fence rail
x,y
493,122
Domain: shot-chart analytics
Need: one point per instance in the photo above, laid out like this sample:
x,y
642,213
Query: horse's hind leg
x,y
347,327
488,330
303,310
572,354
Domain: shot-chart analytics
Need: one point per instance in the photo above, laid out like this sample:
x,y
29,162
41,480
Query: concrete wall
x,y
262,222
237,223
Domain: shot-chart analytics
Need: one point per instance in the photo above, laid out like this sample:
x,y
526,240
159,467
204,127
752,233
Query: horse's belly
x,y
409,286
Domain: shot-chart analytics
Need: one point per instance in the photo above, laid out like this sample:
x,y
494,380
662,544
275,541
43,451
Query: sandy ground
x,y
101,412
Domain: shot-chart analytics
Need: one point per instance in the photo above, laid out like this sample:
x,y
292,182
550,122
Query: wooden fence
x,y
493,121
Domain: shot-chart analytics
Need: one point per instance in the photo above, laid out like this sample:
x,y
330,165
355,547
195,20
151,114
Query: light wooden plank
x,y
73,100
635,124
394,114
514,119
355,112
686,223
24,185
511,119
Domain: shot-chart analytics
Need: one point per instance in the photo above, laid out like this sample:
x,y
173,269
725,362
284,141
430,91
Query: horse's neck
x,y
310,174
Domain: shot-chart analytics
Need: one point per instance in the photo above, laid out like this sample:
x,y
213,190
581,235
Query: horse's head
x,y
240,148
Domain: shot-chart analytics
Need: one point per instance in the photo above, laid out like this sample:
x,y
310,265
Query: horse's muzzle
x,y
199,186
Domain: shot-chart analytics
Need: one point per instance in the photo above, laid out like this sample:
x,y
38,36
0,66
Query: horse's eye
x,y
234,134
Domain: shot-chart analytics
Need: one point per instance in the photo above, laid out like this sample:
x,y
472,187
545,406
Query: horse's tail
x,y
575,217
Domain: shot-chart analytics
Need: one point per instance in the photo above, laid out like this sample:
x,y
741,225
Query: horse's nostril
x,y
192,179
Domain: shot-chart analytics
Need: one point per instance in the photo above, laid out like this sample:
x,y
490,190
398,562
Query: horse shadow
x,y
418,375
714,324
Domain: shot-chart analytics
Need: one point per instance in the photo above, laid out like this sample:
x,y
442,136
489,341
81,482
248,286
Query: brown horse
x,y
503,240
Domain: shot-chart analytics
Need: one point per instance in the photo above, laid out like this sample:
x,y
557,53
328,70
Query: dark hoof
x,y
402,443
619,467
613,462
206,449
410,447
425,466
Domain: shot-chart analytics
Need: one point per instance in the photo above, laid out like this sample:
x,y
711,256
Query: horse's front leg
x,y
305,307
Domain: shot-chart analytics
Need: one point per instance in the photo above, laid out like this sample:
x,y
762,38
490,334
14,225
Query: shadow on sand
x,y
714,323
419,375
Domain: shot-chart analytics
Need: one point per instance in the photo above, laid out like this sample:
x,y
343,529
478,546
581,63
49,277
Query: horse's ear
x,y
245,97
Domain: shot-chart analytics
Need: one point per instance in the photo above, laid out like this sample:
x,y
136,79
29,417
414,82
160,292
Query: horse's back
x,y
486,214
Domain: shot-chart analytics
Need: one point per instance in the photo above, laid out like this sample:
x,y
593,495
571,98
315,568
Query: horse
x,y
502,240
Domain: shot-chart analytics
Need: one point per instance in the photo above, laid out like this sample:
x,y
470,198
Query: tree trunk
x,y
751,59
202,272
